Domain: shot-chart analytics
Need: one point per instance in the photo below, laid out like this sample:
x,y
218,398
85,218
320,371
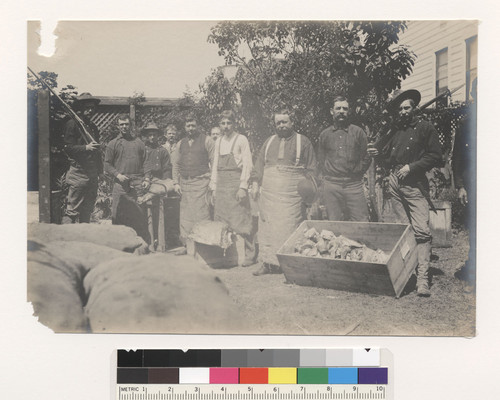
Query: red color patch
x,y
254,375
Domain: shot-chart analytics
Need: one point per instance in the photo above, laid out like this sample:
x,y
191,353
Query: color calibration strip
x,y
279,366
199,376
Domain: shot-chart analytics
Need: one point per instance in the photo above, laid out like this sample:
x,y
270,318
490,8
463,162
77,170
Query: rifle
x,y
87,137
390,133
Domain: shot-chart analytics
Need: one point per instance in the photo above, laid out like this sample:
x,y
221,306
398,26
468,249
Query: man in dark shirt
x,y
124,161
157,163
464,164
85,162
412,151
283,161
156,166
343,161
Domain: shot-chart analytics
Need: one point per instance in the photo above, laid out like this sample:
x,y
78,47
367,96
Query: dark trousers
x,y
126,211
172,208
345,201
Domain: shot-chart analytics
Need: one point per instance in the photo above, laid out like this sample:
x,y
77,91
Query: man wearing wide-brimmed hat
x,y
85,162
411,151
157,163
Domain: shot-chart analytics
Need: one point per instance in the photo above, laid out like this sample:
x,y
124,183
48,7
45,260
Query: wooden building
x,y
446,57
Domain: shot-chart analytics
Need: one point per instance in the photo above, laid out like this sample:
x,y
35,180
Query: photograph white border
x,y
43,365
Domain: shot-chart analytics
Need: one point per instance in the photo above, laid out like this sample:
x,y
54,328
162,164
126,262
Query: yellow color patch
x,y
283,375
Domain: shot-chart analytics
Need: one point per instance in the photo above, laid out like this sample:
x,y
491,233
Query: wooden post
x,y
43,107
150,225
161,226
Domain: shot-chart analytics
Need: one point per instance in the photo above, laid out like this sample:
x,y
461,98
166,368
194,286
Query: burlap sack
x,y
159,294
84,255
55,290
118,237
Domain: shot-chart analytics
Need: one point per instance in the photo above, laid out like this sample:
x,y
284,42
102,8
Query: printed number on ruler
x,y
251,392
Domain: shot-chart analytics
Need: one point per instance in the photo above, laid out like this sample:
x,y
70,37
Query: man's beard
x,y
128,134
405,119
341,121
283,133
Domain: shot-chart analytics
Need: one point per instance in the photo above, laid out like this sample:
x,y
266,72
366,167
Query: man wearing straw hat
x,y
85,162
410,152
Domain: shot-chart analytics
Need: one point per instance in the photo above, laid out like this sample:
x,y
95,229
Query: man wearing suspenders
x,y
229,182
283,161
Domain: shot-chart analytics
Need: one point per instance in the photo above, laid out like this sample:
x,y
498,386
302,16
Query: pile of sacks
x,y
325,244
98,278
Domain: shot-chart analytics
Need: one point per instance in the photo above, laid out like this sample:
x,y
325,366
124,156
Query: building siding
x,y
425,38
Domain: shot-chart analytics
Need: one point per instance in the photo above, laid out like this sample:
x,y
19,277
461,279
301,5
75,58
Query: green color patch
x,y
312,375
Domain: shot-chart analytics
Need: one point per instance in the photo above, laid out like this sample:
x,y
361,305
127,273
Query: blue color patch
x,y
343,376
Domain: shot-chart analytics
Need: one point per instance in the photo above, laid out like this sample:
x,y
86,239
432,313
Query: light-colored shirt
x,y
242,157
170,147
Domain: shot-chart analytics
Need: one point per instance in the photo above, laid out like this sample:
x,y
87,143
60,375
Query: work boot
x,y
423,255
263,270
180,252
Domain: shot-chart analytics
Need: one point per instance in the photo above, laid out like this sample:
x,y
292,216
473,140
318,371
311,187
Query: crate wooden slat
x,y
440,224
374,278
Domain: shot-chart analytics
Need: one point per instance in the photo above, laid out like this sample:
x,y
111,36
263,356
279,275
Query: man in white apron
x,y
191,174
283,161
229,183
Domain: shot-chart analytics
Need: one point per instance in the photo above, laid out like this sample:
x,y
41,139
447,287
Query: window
x,y
471,65
442,75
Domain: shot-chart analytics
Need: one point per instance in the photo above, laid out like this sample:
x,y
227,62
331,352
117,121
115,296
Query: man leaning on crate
x,y
411,149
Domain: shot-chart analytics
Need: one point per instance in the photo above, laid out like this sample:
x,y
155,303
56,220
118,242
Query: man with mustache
x,y
412,151
85,162
343,161
191,175
284,160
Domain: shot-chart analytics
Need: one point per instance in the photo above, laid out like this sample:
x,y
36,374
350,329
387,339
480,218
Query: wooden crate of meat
x,y
390,278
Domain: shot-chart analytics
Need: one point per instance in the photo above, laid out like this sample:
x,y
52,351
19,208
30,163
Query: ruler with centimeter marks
x,y
254,374
251,392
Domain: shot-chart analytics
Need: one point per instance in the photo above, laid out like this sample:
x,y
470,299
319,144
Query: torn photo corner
x,y
239,177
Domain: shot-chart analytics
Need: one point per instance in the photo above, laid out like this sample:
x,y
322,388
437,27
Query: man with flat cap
x,y
410,150
85,162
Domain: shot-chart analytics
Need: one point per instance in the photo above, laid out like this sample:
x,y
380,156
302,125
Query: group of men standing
x,y
218,171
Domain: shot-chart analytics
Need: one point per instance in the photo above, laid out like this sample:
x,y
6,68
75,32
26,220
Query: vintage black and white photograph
x,y
253,177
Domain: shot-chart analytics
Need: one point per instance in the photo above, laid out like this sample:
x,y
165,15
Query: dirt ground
x,y
275,307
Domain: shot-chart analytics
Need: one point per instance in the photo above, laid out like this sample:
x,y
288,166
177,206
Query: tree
x,y
303,65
